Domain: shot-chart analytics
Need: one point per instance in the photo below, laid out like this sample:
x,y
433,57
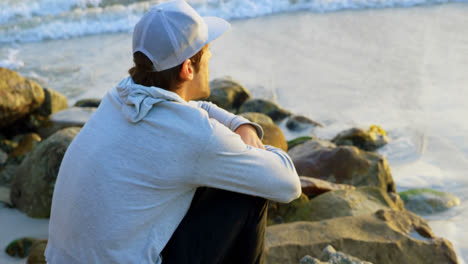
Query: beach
x,y
404,69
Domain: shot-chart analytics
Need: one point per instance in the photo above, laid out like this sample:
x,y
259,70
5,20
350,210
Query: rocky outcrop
x,y
273,110
53,102
386,237
33,184
279,213
360,201
369,140
18,97
344,165
228,94
71,117
427,201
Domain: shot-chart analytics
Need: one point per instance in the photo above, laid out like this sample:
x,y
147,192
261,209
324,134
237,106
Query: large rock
x,y
71,117
18,96
89,102
426,201
228,94
345,165
8,171
369,140
360,201
386,237
279,213
26,143
271,109
33,185
36,253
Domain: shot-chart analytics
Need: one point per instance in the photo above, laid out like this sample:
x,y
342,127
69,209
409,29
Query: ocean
x,y
402,65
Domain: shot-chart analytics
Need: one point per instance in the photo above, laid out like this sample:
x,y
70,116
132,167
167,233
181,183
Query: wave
x,y
37,20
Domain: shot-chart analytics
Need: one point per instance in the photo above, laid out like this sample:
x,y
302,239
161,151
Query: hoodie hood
x,y
137,100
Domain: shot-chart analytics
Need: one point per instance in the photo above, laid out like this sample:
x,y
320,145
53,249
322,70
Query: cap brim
x,y
216,27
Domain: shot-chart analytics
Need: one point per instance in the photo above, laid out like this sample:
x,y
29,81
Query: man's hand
x,y
249,136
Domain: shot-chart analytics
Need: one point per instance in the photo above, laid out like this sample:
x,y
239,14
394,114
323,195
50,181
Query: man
x,y
154,177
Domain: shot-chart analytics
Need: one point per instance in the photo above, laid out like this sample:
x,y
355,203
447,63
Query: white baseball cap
x,y
173,31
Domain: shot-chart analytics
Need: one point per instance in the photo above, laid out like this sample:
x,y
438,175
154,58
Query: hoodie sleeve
x,y
226,118
227,163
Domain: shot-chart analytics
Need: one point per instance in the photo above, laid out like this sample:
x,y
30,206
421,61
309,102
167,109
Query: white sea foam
x,y
27,21
11,62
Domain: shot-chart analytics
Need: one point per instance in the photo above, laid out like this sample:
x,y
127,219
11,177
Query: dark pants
x,y
220,227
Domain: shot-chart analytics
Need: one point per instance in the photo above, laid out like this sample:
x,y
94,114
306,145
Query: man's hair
x,y
143,72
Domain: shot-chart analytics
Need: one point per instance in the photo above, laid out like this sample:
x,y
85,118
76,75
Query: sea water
x,y
405,69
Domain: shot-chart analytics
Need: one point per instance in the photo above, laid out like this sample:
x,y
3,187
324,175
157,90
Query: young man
x,y
154,177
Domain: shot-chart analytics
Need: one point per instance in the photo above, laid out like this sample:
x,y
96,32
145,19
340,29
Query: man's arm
x,y
233,122
226,162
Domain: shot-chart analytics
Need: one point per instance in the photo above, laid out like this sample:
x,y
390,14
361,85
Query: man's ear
x,y
186,73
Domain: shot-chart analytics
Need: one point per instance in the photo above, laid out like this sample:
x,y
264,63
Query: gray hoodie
x,y
129,176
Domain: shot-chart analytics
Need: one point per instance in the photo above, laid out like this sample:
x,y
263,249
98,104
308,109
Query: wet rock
x,y
273,136
53,102
273,110
33,184
427,201
91,102
384,238
8,172
257,118
298,141
228,94
18,96
71,117
313,187
300,123
369,140
351,202
344,165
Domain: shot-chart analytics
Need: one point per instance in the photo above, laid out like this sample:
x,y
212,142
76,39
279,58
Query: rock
x,y
228,94
8,172
297,141
281,213
330,255
257,118
7,145
268,108
344,165
310,260
3,157
36,253
92,102
386,237
5,195
273,136
300,122
71,117
26,144
313,187
360,201
33,184
369,140
426,201
18,96
20,247
54,102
